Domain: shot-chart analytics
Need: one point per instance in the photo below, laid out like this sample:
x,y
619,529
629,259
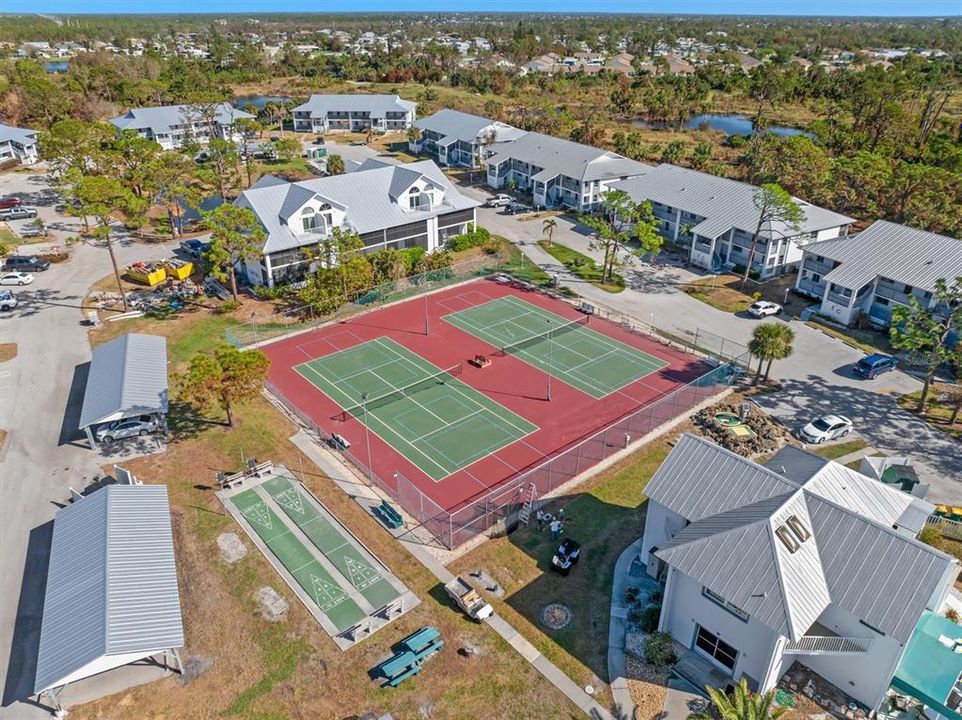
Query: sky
x,y
873,8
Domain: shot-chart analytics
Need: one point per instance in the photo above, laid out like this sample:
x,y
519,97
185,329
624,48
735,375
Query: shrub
x,y
474,237
262,292
227,307
952,614
649,619
412,256
659,650
56,257
931,536
740,269
631,594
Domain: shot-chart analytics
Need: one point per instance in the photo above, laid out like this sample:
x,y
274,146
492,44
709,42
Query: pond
x,y
258,101
730,124
56,66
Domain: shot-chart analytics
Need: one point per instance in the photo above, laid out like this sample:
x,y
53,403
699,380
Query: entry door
x,y
714,647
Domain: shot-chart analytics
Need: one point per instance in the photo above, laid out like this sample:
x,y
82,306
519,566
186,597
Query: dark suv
x,y
26,263
873,365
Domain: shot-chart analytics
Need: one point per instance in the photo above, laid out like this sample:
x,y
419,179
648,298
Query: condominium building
x,y
457,138
18,145
354,113
171,126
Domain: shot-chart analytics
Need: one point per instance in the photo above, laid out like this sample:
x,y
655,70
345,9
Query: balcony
x,y
839,299
890,293
825,642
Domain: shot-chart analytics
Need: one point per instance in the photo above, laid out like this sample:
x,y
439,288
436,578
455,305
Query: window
x,y
730,607
716,648
816,278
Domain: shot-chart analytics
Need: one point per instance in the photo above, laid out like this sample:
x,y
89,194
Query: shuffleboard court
x,y
437,422
568,350
330,598
328,538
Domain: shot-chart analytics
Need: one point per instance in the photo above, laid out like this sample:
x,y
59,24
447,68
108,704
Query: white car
x,y
7,300
143,425
763,308
499,201
827,427
16,278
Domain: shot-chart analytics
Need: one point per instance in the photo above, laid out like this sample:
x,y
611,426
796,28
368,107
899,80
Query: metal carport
x,y
112,596
128,377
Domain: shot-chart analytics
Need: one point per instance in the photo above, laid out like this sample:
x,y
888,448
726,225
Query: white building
x,y
389,206
457,138
559,173
170,126
800,560
354,113
879,268
715,219
18,145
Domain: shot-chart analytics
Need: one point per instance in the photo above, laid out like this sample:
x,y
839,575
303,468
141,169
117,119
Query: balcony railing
x,y
890,293
839,299
828,645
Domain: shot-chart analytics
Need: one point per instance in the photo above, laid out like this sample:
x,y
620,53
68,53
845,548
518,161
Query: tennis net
x,y
438,378
551,333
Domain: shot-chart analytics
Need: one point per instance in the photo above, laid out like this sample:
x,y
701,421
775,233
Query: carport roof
x,y
128,376
112,594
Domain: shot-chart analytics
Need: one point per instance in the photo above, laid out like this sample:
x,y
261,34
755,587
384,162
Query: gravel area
x,y
648,685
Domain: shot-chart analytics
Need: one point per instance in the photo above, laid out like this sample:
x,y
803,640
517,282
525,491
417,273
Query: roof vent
x,y
787,539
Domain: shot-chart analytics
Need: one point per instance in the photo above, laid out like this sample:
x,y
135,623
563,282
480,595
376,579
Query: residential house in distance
x,y
798,560
354,113
715,218
170,126
621,63
457,138
678,66
18,145
559,173
389,206
877,269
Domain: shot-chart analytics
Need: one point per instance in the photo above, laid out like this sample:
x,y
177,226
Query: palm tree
x,y
770,342
743,704
548,227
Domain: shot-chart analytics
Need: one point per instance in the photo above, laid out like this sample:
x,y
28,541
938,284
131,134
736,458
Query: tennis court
x,y
566,349
299,561
426,413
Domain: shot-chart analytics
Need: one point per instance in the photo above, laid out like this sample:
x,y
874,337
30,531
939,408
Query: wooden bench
x,y
480,361
388,515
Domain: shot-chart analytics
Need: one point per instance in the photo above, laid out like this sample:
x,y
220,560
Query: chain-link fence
x,y
291,320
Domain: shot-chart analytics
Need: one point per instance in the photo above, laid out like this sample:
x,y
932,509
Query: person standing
x,y
555,528
539,516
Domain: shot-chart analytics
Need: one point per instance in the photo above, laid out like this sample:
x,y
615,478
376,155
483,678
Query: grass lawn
x,y
296,168
267,671
721,292
605,515
582,266
937,413
8,351
868,341
837,450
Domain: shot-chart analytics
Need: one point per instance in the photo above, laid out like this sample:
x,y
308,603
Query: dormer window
x,y
319,220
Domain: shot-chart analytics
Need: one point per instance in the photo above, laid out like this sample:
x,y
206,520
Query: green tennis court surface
x,y
329,539
340,609
424,412
568,350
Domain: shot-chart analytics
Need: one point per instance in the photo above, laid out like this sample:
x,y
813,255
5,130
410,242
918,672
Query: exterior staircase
x,y
529,497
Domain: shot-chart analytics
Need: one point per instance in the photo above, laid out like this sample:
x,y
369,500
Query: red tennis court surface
x,y
570,416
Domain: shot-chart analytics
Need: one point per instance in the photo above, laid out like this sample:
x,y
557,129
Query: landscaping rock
x,y
769,435
273,607
232,548
635,644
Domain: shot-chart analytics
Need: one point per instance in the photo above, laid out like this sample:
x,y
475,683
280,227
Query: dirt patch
x,y
8,351
194,667
232,548
648,686
273,607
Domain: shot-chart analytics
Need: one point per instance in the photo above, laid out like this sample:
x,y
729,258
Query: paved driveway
x,y
40,392
815,379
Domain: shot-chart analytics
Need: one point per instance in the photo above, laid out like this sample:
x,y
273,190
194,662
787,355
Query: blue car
x,y
874,365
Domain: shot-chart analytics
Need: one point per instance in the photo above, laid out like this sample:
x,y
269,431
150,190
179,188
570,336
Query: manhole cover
x,y
555,616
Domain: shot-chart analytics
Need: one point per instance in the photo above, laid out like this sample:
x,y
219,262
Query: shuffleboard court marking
x,y
290,499
362,576
258,514
326,595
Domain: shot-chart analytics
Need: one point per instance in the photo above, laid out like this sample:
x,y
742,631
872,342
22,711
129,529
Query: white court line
x,y
448,426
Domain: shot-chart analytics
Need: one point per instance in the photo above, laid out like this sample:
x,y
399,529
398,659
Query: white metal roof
x,y
377,105
722,202
564,157
898,252
22,136
854,558
454,125
368,196
160,119
111,585
128,376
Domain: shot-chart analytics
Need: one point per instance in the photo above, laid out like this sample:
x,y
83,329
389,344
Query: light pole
x,y
550,345
367,440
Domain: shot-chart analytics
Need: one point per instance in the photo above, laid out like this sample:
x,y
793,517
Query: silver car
x,y
131,427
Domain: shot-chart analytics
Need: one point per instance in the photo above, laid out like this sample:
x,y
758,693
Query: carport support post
x,y
90,437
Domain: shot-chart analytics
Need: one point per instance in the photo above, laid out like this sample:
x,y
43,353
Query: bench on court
x,y
388,515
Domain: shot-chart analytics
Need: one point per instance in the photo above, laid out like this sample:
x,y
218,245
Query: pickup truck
x,y
468,599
